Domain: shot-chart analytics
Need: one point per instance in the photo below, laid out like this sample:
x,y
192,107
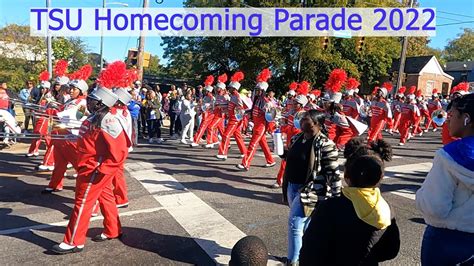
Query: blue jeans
x,y
442,246
297,222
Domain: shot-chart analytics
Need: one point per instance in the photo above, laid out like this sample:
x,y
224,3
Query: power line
x,y
450,19
455,23
459,15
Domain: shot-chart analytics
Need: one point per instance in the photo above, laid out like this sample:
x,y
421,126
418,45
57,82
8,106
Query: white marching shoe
x,y
32,154
45,167
221,157
194,145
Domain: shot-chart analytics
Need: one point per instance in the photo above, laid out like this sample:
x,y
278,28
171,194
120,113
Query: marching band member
x,y
332,96
350,106
397,105
102,146
41,126
433,105
124,117
235,115
220,108
409,115
258,116
313,98
423,107
458,90
287,126
381,112
207,114
65,151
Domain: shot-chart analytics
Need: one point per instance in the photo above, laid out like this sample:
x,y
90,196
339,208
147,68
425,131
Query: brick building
x,y
425,73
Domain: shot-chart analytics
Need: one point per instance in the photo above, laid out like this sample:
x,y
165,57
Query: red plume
x,y
60,68
412,90
336,79
130,76
316,93
435,91
113,75
388,86
463,86
303,88
209,80
264,75
83,73
352,83
402,90
293,85
375,90
222,78
418,93
237,77
44,76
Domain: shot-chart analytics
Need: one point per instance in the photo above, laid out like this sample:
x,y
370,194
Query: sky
x,y
115,48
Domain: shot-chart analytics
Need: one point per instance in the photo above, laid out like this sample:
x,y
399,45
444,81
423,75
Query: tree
x,y
154,67
72,49
462,48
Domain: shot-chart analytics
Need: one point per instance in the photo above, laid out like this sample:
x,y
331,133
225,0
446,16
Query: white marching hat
x,y
106,96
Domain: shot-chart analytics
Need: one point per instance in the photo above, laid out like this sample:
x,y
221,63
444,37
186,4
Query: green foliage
x,y
154,67
462,48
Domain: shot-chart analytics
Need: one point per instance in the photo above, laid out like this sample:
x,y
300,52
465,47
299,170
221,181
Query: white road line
x,y
211,231
409,194
64,223
406,170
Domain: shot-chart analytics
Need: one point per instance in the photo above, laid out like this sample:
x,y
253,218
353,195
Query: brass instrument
x,y
439,117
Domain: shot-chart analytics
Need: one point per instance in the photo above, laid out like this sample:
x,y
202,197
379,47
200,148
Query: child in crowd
x,y
360,221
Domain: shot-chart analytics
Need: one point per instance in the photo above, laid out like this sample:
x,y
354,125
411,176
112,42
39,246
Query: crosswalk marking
x,y
211,231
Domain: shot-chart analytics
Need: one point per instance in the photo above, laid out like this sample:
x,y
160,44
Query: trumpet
x,y
439,117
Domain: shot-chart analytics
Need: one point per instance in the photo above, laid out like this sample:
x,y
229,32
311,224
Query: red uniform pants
x,y
233,129
206,121
64,152
120,187
89,189
217,124
376,127
396,120
404,129
258,137
343,135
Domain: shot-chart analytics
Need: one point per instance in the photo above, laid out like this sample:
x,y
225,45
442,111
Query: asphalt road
x,y
186,207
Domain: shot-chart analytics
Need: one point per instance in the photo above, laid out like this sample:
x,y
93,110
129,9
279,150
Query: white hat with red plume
x,y
78,78
262,79
221,80
208,83
60,70
44,79
336,80
235,80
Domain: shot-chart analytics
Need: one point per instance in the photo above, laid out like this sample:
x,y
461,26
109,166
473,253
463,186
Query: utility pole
x,y
403,57
141,48
101,62
49,46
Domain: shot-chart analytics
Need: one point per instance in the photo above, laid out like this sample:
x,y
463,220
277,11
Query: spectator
x,y
174,112
312,167
28,95
143,114
4,98
249,251
153,106
198,93
360,218
134,108
11,95
446,198
187,116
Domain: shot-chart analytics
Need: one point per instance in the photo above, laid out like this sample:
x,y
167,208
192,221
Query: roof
x,y
413,65
459,66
